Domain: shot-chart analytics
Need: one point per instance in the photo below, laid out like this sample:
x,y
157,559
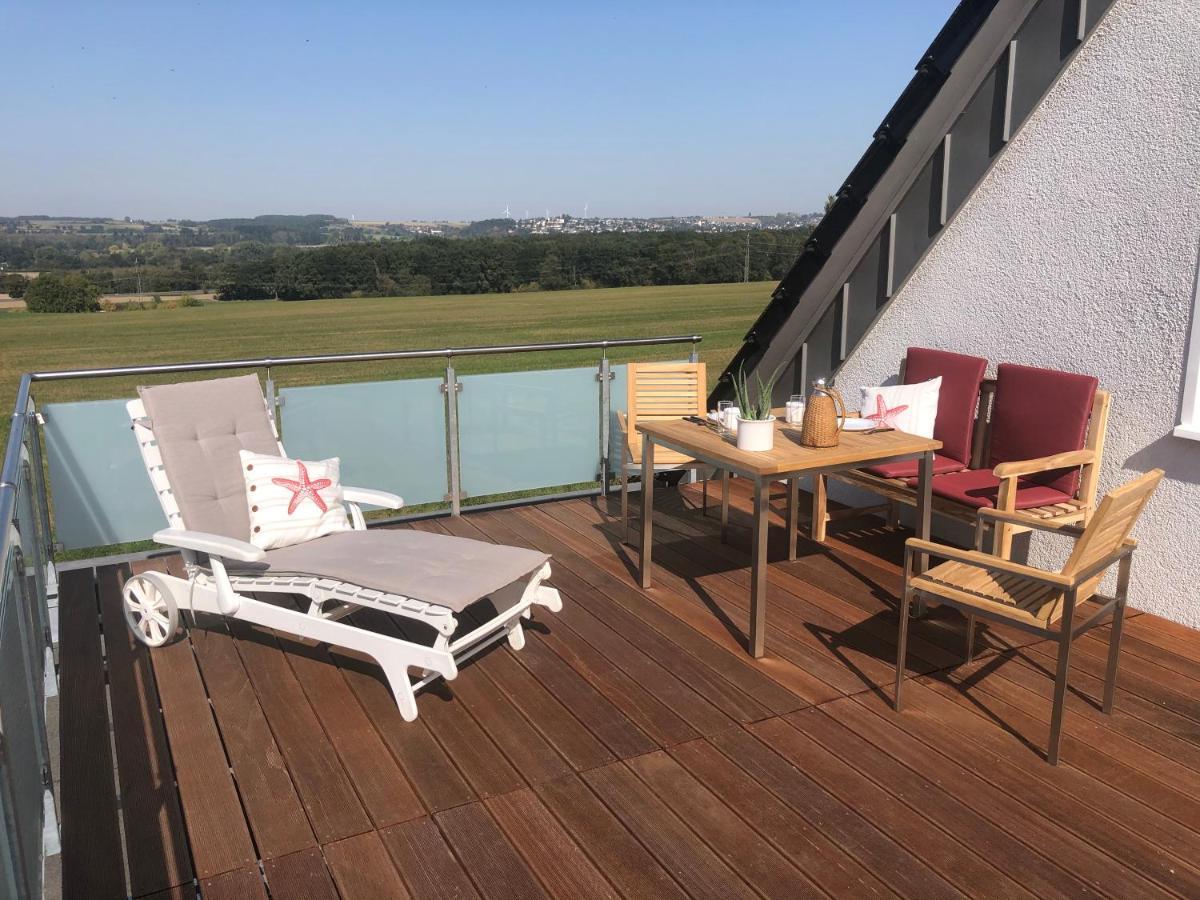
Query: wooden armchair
x,y
657,391
990,587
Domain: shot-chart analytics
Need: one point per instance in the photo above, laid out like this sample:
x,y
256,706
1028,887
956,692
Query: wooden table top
x,y
788,456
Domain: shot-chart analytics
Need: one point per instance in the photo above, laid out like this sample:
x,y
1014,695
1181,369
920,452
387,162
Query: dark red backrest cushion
x,y
1040,412
959,396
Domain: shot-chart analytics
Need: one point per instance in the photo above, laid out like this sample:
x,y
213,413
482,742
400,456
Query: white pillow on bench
x,y
911,408
291,500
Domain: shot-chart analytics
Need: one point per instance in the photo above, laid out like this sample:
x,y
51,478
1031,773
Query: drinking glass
x,y
723,405
795,409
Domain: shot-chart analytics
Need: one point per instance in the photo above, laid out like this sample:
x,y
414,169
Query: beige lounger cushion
x,y
200,426
437,568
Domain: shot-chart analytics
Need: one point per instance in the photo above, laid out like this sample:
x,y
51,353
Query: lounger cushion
x,y
200,426
1037,413
959,395
979,488
437,568
908,468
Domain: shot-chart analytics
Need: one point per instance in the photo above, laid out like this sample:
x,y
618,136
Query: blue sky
x,y
396,110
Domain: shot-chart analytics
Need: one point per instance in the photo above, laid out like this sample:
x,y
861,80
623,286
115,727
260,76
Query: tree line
x,y
252,270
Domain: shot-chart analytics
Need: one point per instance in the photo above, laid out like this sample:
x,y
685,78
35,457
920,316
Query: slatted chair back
x,y
1112,522
658,391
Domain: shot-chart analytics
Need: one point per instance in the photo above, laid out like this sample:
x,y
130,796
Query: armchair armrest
x,y
986,561
1026,521
622,422
372,497
212,544
1068,460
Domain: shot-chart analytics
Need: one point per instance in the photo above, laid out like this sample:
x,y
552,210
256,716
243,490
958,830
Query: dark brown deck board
x,y
430,869
299,876
743,849
633,749
494,865
680,851
333,807
273,810
617,853
361,868
240,884
91,859
216,827
562,867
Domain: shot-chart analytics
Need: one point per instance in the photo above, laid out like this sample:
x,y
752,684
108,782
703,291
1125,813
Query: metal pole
x,y
450,388
694,356
604,376
272,401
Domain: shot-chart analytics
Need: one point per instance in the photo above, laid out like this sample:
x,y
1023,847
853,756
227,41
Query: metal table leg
x,y
647,507
793,516
924,515
724,506
758,569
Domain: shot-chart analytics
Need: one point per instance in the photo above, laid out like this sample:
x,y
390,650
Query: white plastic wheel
x,y
150,610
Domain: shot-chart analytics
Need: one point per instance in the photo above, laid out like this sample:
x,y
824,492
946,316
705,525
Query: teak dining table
x,y
787,460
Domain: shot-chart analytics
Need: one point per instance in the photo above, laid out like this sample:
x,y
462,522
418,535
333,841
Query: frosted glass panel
x,y
101,492
390,435
524,430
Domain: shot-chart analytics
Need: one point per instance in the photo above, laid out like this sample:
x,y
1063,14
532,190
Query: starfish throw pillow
x,y
291,500
911,408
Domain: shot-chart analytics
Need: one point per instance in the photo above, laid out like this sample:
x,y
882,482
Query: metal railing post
x,y
694,356
605,376
451,387
273,402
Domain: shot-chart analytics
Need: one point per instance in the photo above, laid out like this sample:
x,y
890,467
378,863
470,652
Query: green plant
x,y
754,404
188,300
53,293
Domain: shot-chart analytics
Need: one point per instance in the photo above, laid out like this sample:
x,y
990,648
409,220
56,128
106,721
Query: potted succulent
x,y
756,425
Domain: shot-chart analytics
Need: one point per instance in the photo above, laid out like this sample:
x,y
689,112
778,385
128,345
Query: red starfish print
x,y
304,488
885,417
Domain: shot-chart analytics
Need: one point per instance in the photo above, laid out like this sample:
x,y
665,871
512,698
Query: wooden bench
x,y
1014,476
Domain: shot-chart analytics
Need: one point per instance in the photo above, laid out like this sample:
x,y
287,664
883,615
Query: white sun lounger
x,y
190,435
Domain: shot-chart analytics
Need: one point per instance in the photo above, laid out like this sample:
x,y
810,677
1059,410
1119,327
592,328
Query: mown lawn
x,y
29,342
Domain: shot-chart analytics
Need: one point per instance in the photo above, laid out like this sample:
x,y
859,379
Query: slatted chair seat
x,y
1006,594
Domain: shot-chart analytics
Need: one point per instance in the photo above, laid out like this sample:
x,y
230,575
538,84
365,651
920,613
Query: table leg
x,y
758,569
647,508
820,507
724,506
924,516
793,517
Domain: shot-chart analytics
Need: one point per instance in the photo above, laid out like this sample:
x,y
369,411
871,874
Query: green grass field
x,y
29,342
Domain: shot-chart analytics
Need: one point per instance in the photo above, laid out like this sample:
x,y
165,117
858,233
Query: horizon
x,y
387,114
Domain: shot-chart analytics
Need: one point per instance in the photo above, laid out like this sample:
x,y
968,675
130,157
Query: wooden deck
x,y
632,748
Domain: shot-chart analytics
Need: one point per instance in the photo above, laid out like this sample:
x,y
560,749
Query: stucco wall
x,y
1079,251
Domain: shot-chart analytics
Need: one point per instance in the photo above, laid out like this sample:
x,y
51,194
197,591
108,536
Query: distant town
x,y
326,229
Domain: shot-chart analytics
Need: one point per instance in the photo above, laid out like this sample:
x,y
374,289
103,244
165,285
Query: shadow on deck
x,y
632,748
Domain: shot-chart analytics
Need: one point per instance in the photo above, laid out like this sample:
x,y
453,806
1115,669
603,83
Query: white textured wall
x,y
1079,251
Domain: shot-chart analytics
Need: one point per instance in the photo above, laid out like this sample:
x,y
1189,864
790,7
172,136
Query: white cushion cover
x,y
292,501
911,408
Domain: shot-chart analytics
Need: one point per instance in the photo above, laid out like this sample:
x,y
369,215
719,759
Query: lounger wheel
x,y
150,609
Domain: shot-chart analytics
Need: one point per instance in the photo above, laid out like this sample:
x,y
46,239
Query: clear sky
x,y
421,110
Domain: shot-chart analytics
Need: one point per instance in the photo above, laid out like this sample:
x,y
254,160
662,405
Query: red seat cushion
x,y
908,468
1040,412
959,396
979,487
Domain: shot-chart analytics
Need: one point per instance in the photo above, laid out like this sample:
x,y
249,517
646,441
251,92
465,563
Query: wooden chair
x,y
986,586
657,391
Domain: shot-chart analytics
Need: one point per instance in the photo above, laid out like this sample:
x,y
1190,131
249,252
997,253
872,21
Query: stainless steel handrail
x,y
370,356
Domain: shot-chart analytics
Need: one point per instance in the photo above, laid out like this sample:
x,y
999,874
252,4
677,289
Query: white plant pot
x,y
756,434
